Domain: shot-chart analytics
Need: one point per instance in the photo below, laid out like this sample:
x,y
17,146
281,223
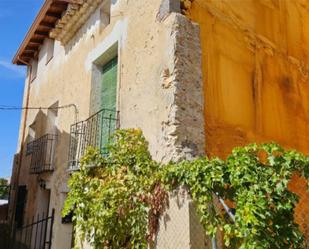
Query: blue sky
x,y
16,16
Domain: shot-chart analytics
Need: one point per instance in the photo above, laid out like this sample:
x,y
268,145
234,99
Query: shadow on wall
x,y
46,162
102,17
3,212
4,235
78,36
43,172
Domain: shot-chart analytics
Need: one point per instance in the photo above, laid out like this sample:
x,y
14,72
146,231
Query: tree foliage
x,y
112,202
118,202
4,188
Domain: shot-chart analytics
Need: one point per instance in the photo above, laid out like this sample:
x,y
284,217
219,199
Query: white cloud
x,y
18,72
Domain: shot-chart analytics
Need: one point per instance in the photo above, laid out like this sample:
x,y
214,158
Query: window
x,y
50,44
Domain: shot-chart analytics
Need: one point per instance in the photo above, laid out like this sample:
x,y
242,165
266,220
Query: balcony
x,y
93,132
42,154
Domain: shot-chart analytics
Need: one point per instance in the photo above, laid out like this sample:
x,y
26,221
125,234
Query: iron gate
x,y
36,235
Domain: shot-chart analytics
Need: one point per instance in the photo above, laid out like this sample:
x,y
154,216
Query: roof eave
x,y
31,32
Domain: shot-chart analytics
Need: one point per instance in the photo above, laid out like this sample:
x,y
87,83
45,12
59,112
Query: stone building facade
x,y
157,56
195,83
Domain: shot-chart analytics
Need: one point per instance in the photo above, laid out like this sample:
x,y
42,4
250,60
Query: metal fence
x,y
36,235
42,154
93,132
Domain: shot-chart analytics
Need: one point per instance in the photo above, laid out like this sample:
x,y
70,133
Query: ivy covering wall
x,y
117,203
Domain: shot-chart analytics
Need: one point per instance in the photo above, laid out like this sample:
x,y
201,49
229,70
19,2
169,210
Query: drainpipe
x,y
16,183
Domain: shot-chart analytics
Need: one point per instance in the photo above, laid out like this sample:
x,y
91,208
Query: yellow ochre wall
x,y
256,77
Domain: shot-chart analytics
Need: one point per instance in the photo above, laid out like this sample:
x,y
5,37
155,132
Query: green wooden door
x,y
109,85
108,101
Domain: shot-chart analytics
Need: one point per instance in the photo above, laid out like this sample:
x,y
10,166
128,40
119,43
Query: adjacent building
x,y
196,76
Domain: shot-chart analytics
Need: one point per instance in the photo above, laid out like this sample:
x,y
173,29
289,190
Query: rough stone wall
x,y
182,131
255,69
170,100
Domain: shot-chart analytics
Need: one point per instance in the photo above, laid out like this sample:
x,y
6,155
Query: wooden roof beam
x,y
36,41
33,46
50,12
26,58
47,25
63,1
30,53
42,33
53,14
29,50
60,5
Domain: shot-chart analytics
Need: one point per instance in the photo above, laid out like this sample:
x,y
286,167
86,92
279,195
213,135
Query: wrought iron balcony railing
x,y
42,153
93,132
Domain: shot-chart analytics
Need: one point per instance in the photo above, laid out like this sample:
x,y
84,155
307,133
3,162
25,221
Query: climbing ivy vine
x,y
118,199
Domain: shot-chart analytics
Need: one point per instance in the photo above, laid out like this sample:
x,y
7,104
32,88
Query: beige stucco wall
x,y
159,91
